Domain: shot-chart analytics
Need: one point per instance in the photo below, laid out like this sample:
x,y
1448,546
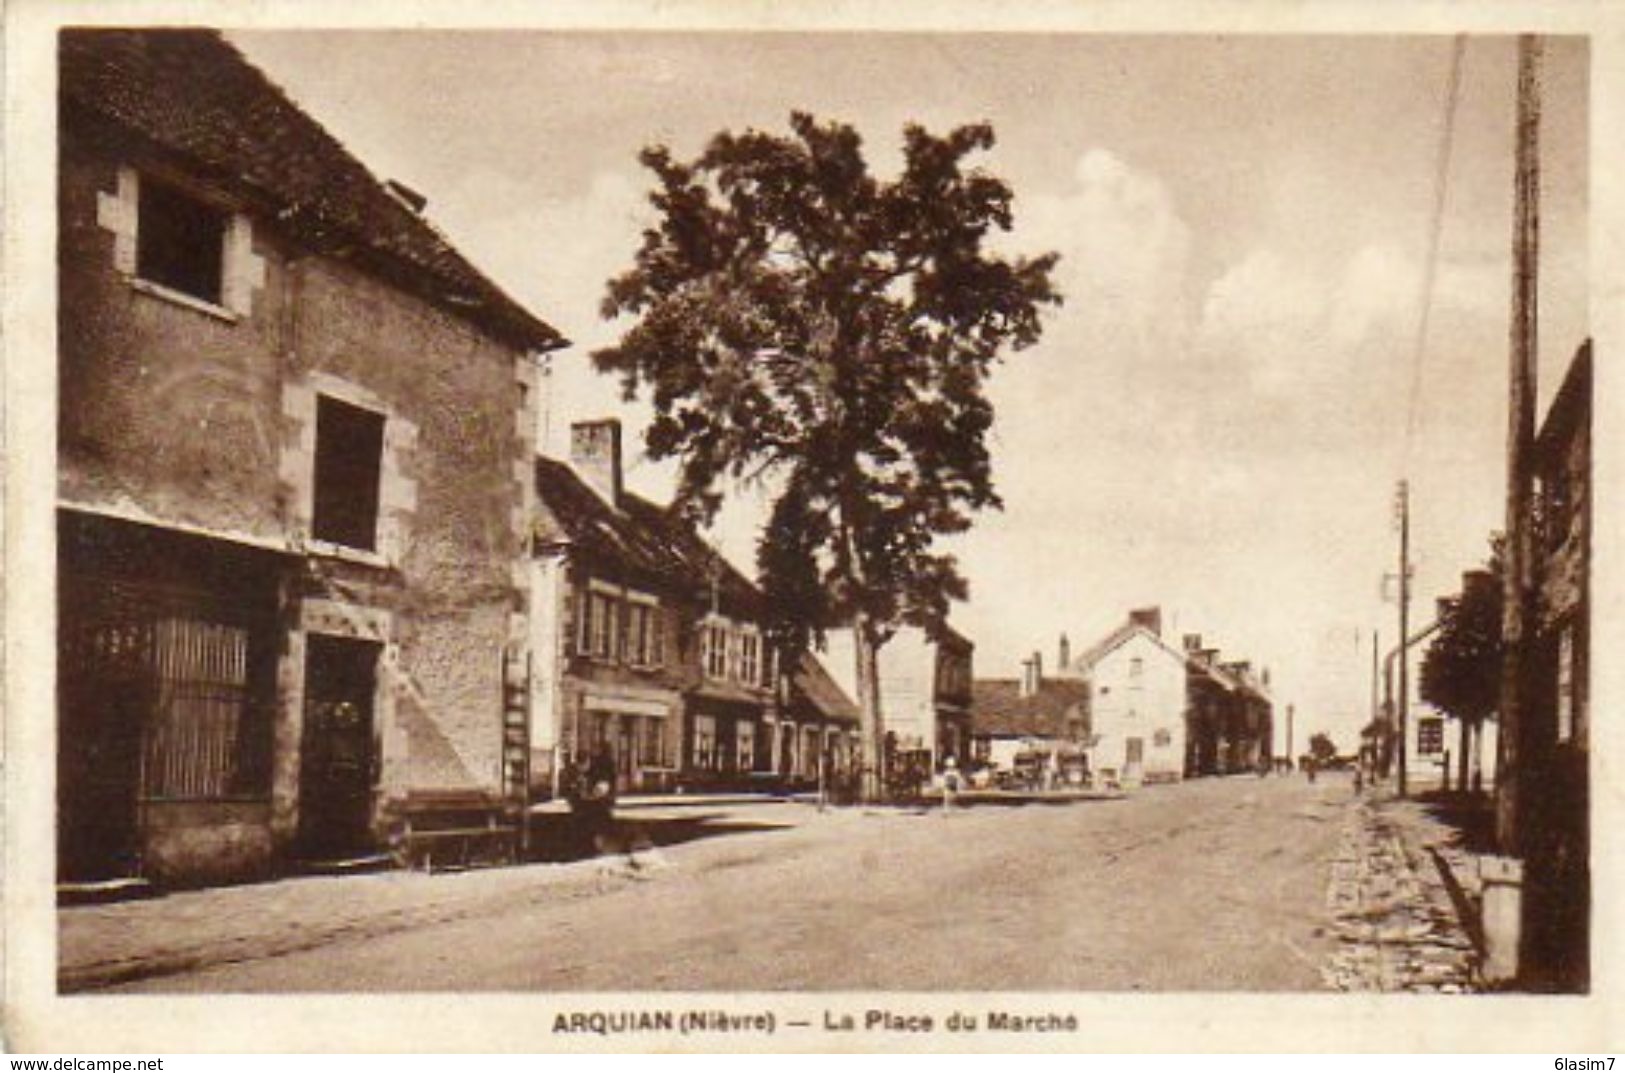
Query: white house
x,y
1137,700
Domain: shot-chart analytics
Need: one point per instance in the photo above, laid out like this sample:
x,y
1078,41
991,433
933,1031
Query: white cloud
x,y
1124,251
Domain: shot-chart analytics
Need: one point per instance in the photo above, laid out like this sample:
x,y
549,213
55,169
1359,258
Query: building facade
x,y
650,645
1030,715
293,434
1555,744
925,687
1137,702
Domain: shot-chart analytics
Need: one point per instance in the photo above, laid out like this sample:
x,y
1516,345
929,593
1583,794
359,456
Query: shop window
x,y
745,745
652,742
180,242
705,742
349,461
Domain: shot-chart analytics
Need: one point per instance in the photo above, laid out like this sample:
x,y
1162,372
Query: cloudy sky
x,y
1216,418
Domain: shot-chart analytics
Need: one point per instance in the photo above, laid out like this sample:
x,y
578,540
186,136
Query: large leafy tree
x,y
802,322
1461,671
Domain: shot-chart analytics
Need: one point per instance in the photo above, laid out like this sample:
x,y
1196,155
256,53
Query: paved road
x,y
1215,884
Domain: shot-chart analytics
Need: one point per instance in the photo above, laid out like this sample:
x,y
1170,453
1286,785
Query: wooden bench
x,y
453,828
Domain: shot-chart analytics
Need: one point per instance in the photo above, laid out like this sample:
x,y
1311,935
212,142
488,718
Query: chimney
x,y
1038,670
595,452
1193,643
1207,657
1025,688
1477,585
1065,654
1149,617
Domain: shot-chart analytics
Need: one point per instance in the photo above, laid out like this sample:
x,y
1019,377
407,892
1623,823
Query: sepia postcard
x,y
708,527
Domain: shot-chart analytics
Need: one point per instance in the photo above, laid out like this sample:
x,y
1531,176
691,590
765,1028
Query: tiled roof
x,y
812,684
191,93
999,710
638,538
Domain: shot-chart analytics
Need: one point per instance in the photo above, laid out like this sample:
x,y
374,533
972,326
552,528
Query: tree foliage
x,y
1321,747
800,321
1461,672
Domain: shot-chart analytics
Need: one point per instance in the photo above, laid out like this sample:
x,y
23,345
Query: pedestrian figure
x,y
593,801
950,783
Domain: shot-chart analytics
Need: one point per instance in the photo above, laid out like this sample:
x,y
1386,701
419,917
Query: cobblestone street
x,y
1394,917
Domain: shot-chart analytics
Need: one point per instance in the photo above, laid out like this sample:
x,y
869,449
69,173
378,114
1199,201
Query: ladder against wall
x,y
516,742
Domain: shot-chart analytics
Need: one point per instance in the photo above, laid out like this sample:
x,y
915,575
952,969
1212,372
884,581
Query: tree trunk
x,y
1478,759
1464,761
871,724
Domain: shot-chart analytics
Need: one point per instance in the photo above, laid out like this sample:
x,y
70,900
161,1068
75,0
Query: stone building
x,y
294,485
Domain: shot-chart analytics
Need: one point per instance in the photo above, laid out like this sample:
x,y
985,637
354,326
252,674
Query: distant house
x,y
1215,711
1029,714
925,687
1137,693
650,645
293,488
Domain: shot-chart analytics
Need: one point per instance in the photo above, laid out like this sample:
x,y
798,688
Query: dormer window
x,y
181,242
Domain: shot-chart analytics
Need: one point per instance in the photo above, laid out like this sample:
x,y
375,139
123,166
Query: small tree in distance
x,y
1322,748
799,320
1461,671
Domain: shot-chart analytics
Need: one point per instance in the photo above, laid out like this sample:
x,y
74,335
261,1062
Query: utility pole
x,y
1289,757
1376,710
1402,506
1512,776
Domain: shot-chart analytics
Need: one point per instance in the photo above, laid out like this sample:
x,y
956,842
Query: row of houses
x,y
648,645
1135,708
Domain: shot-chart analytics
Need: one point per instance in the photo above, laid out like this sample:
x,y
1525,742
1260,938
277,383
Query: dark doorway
x,y
338,762
166,684
106,690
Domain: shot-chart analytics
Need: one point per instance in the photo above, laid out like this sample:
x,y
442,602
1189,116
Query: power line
x,y
1430,271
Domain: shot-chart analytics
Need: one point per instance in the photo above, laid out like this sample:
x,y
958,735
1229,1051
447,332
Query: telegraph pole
x,y
1376,709
1512,787
1402,506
